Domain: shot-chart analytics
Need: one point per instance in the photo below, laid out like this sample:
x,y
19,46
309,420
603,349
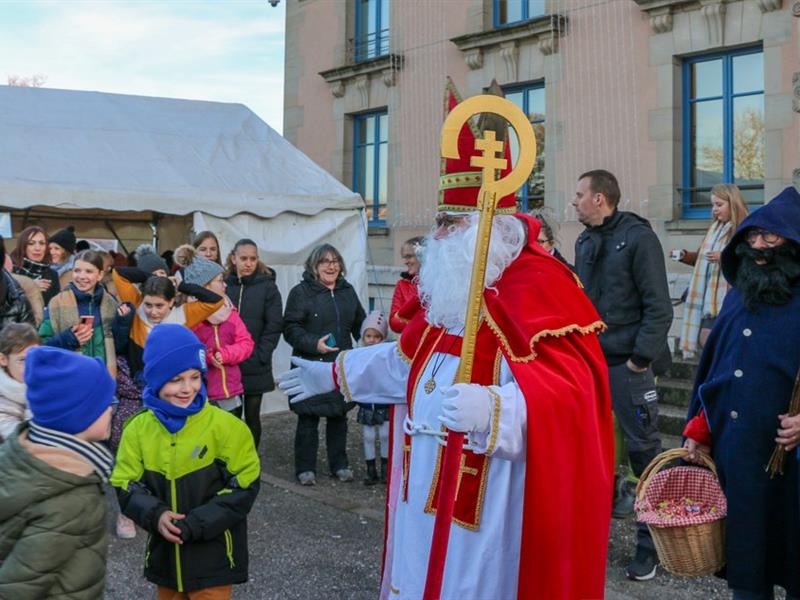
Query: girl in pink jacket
x,y
227,341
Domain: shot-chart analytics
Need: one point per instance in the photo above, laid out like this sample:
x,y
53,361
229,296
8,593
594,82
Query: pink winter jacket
x,y
224,332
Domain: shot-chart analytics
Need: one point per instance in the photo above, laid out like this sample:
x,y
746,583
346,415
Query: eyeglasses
x,y
445,220
329,261
114,406
767,236
408,256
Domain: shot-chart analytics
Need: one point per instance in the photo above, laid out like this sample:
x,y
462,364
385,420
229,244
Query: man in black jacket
x,y
621,263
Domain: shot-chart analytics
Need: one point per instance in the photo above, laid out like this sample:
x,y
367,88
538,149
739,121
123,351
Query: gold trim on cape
x,y
496,405
401,353
597,326
343,387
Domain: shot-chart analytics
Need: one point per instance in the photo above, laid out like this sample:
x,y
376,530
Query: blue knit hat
x,y
171,349
66,391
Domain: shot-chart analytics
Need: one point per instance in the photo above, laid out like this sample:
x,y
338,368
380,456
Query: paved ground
x,y
326,541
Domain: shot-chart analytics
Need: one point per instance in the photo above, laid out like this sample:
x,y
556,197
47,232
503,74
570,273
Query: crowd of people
x,y
178,349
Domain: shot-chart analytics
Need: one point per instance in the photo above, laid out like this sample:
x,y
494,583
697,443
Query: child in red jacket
x,y
227,341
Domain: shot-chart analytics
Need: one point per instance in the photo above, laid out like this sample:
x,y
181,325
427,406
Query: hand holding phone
x,y
83,331
327,344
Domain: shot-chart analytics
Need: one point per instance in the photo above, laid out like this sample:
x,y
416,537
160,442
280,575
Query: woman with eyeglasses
x,y
707,287
547,238
405,299
323,316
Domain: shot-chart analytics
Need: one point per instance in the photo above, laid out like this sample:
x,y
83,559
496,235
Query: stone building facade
x,y
672,96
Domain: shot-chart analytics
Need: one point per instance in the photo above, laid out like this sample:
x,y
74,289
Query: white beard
x,y
446,268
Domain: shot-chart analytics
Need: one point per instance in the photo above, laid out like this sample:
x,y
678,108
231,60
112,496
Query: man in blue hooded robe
x,y
741,395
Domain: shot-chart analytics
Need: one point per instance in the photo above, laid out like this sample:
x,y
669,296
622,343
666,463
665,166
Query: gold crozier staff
x,y
490,191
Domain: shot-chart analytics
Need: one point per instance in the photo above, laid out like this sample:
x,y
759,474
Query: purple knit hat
x,y
377,321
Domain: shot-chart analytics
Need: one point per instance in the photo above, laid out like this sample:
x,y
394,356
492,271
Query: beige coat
x,y
34,296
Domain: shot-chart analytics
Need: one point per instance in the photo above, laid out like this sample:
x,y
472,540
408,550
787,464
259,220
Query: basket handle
x,y
660,461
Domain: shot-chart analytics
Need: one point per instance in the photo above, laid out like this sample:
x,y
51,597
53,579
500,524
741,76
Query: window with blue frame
x,y
370,163
372,29
723,114
530,98
508,12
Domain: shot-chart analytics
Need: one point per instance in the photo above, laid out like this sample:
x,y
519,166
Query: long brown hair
x,y
731,194
22,243
202,237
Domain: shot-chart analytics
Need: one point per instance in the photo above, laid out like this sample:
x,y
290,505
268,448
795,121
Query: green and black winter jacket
x,y
52,523
209,471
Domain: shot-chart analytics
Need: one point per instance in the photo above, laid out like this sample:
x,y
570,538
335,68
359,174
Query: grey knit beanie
x,y
201,270
148,261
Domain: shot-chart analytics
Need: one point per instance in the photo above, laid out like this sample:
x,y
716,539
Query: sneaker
x,y
126,530
344,475
643,567
624,500
307,478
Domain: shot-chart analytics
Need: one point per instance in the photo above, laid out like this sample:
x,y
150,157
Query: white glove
x,y
309,379
466,407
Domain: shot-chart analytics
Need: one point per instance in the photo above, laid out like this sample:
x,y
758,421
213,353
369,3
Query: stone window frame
x,y
544,31
727,97
355,120
494,7
682,28
355,50
525,86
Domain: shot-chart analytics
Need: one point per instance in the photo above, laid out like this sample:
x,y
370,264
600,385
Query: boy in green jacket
x,y
53,469
188,473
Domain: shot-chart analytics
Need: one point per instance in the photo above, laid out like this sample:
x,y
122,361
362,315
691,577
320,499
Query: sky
x,y
218,50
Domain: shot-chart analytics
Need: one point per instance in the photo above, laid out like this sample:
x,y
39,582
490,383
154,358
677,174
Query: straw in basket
x,y
690,543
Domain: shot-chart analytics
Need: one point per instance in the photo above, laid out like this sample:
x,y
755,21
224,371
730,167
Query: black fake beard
x,y
770,283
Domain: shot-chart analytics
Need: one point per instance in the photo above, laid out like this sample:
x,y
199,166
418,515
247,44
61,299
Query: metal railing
x,y
372,45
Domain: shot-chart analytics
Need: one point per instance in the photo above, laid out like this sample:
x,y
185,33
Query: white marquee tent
x,y
160,167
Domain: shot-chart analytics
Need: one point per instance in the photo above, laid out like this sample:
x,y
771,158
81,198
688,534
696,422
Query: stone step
x,y
682,369
671,441
671,419
676,392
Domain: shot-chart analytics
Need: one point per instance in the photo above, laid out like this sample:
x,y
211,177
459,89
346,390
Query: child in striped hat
x,y
53,469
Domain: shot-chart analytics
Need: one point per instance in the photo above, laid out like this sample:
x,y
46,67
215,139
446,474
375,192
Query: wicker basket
x,y
686,549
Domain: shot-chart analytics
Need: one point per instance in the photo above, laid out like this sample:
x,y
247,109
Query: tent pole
x,y
154,227
114,233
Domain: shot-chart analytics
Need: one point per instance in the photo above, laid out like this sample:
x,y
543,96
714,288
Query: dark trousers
x,y
252,415
635,404
306,443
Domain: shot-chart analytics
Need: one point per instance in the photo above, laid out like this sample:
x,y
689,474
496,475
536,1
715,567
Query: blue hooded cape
x,y
744,381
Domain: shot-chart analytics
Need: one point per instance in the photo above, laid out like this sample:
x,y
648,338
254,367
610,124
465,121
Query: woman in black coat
x,y
32,259
252,289
323,315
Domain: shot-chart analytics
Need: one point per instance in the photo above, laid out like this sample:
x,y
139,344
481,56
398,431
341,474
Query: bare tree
x,y
34,81
748,148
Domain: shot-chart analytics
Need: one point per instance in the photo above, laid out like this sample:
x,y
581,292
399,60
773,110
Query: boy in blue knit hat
x,y
187,472
53,469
